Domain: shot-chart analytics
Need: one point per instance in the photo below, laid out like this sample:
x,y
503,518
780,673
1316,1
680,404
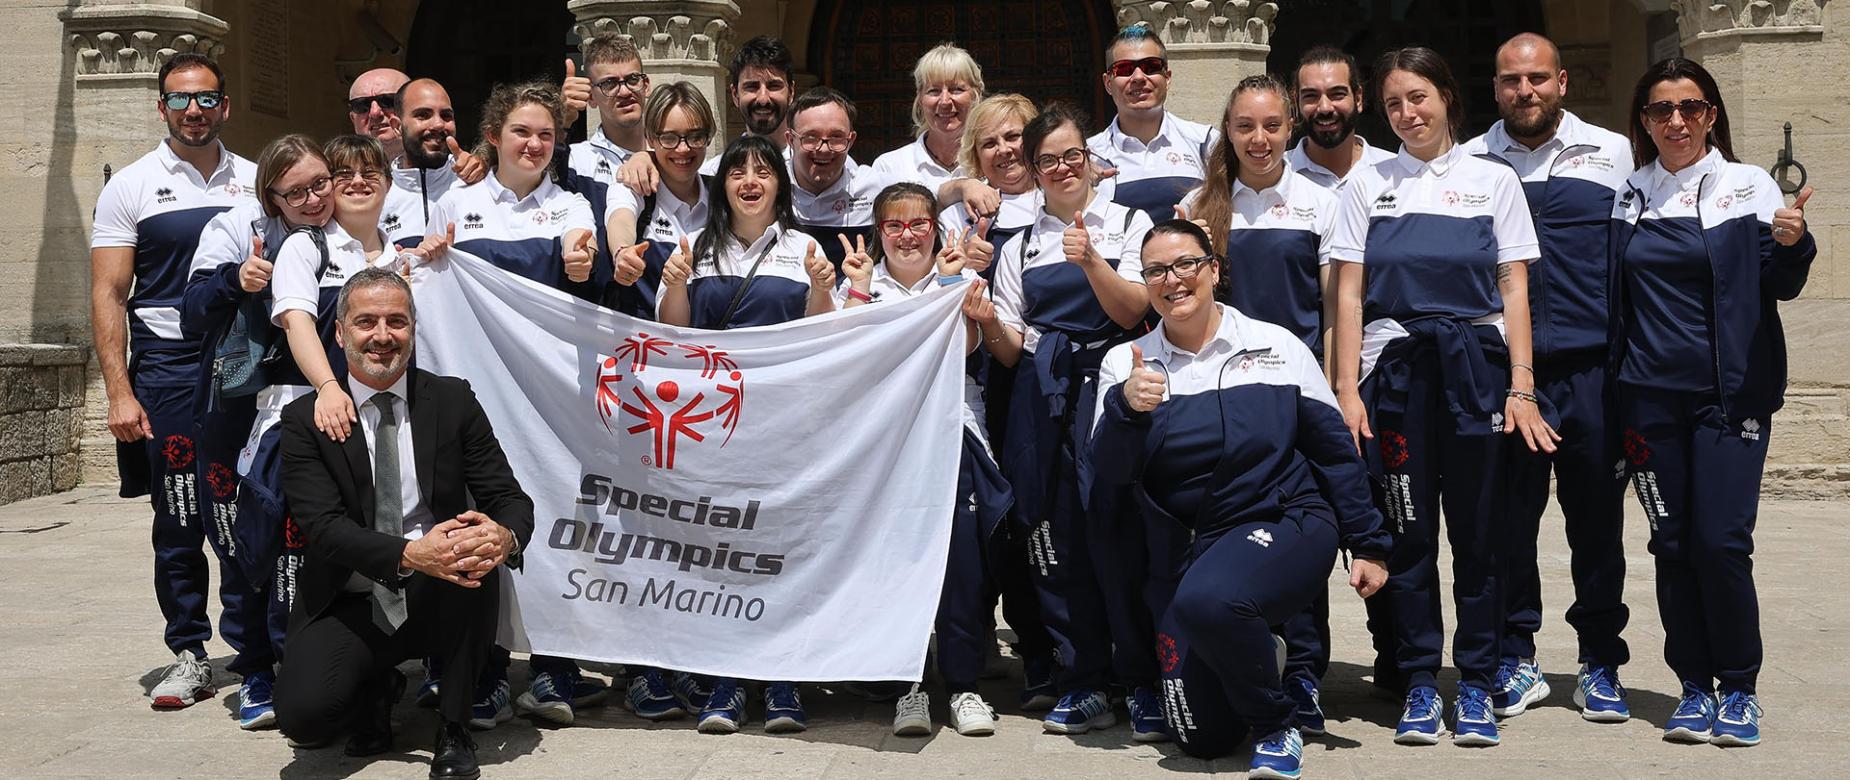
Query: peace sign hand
x,y
679,267
821,271
951,260
1789,222
978,252
1145,387
856,264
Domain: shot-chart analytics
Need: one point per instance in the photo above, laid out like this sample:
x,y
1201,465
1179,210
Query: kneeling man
x,y
397,564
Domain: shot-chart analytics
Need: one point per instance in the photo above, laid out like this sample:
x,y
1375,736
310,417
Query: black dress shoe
x,y
454,758
372,725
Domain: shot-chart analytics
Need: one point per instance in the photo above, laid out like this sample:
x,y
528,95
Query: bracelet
x,y
946,280
860,296
1530,397
1523,366
324,383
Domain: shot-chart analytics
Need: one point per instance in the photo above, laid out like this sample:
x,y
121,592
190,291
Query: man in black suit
x,y
397,564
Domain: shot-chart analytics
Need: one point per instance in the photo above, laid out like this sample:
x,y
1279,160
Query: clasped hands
x,y
460,550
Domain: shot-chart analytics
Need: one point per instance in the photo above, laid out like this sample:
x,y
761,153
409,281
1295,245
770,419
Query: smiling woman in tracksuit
x,y
1703,247
1433,248
1223,427
1067,289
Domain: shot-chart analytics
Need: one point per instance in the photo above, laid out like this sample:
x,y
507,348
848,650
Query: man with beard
x,y
761,90
398,565
372,104
1571,172
148,220
1329,104
834,196
432,162
1158,156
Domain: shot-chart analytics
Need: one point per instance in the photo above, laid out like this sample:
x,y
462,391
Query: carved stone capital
x,y
1204,21
1701,19
698,30
115,41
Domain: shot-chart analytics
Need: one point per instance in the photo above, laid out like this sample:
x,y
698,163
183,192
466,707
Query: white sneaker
x,y
189,680
912,714
972,716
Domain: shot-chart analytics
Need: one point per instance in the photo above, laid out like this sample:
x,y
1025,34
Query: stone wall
x,y
41,418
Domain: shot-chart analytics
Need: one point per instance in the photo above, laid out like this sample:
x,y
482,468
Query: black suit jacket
x,y
329,485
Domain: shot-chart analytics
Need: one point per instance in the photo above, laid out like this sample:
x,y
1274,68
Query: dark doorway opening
x,y
469,46
1466,32
1044,49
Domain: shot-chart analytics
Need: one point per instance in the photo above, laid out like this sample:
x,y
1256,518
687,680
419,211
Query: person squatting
x,y
1205,365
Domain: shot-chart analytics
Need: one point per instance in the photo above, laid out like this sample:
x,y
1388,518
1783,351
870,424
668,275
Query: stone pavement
x,y
82,634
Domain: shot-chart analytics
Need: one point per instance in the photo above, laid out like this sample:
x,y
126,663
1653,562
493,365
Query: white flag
x,y
767,503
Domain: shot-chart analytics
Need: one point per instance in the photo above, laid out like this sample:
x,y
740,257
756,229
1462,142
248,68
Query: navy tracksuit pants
x,y
1697,473
1590,487
1220,675
1072,605
1428,464
182,575
1138,560
965,604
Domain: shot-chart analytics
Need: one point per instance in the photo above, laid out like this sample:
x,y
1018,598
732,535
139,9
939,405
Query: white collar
x,y
1440,165
1282,188
1686,178
1164,132
1570,131
410,177
599,140
338,237
501,194
1227,335
1094,215
925,282
772,235
1299,157
362,392
173,163
922,160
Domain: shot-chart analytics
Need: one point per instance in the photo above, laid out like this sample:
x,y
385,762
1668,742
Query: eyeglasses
x,y
835,143
207,100
361,105
893,228
1693,110
1184,268
1151,66
370,175
633,82
1073,158
695,141
298,196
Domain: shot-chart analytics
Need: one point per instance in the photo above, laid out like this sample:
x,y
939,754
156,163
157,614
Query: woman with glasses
x,y
1433,368
1222,426
1703,249
517,217
645,231
748,265
909,257
1067,288
948,81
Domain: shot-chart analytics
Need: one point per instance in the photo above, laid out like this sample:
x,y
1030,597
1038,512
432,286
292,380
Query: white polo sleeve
x,y
1513,226
621,198
292,281
1130,262
117,215
577,213
1349,234
1005,288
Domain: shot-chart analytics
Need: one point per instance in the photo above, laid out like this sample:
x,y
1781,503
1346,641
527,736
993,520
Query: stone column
x,y
1212,45
680,40
115,51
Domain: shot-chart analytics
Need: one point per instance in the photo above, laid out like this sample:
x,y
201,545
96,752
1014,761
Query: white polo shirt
x,y
1278,241
293,284
914,164
779,291
1117,233
1300,161
521,235
414,193
1153,177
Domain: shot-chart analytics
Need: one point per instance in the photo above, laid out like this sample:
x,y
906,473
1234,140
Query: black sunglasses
x,y
361,105
178,101
1691,109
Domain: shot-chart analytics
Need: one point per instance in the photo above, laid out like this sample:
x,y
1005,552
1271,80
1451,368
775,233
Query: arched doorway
x,y
1044,49
471,45
1466,32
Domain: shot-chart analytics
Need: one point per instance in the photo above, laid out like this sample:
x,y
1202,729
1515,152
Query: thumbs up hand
x,y
578,255
254,272
821,271
467,167
679,267
630,263
1789,222
1077,241
978,252
433,246
576,90
1182,213
1145,387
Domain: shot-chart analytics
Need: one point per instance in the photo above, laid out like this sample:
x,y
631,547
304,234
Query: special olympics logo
x,y
1166,652
1394,452
223,480
1450,198
702,387
1636,450
178,450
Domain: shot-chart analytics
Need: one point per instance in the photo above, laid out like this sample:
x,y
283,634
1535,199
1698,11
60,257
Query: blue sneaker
x,y
255,709
1421,722
692,690
492,708
1519,684
1738,722
1694,718
1037,692
1147,723
651,698
1080,711
1599,695
783,709
548,698
1474,723
1303,691
588,691
724,712
1279,756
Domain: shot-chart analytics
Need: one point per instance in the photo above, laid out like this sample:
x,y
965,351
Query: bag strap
x,y
739,296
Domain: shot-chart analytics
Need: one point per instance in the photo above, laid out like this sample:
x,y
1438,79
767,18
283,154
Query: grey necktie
x,y
388,507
